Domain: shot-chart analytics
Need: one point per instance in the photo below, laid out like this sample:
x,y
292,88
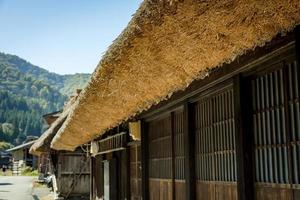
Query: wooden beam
x,y
189,143
99,184
244,139
144,161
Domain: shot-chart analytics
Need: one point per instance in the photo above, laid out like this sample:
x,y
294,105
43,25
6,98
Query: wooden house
x,y
22,158
212,88
70,170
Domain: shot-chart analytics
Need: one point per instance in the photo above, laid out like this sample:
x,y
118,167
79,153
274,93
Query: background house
x,y
22,158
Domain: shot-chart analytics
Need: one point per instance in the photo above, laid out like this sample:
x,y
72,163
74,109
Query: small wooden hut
x,y
214,86
70,170
22,158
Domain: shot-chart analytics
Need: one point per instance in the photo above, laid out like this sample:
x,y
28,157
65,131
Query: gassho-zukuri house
x,y
195,100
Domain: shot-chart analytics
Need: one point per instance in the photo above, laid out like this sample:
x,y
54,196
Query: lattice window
x,y
215,137
179,144
276,125
294,111
160,148
269,128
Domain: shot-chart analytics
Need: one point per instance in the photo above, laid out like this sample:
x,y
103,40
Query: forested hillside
x,y
27,92
66,84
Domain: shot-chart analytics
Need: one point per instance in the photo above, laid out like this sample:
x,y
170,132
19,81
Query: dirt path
x,y
20,188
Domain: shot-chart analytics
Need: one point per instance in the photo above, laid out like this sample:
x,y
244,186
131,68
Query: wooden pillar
x,y
173,155
128,178
144,161
244,138
189,143
91,178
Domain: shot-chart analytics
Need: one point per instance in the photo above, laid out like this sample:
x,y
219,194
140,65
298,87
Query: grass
x,y
8,173
28,171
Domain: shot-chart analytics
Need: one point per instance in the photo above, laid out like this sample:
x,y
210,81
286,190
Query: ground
x,y
22,188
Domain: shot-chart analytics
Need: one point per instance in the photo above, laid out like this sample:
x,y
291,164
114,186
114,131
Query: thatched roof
x,y
42,145
22,146
166,46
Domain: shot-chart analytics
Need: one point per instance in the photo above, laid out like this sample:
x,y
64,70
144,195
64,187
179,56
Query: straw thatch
x,y
42,145
166,46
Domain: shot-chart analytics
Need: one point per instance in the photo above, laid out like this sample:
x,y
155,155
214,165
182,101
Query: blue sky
x,y
63,36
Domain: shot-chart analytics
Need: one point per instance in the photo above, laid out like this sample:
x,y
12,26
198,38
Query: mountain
x,y
27,92
73,82
66,84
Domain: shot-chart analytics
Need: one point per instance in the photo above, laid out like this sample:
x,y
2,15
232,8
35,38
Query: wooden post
x,y
92,178
244,139
144,161
173,155
189,142
128,193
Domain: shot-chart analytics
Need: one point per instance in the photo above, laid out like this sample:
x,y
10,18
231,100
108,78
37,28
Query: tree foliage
x,y
27,92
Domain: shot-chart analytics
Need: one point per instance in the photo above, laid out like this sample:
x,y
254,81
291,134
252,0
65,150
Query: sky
x,y
62,36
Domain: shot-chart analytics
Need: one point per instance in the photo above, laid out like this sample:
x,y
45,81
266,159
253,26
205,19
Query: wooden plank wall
x,y
70,164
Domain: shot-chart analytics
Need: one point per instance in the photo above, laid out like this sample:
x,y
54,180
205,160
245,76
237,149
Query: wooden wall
x,y
73,174
44,164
